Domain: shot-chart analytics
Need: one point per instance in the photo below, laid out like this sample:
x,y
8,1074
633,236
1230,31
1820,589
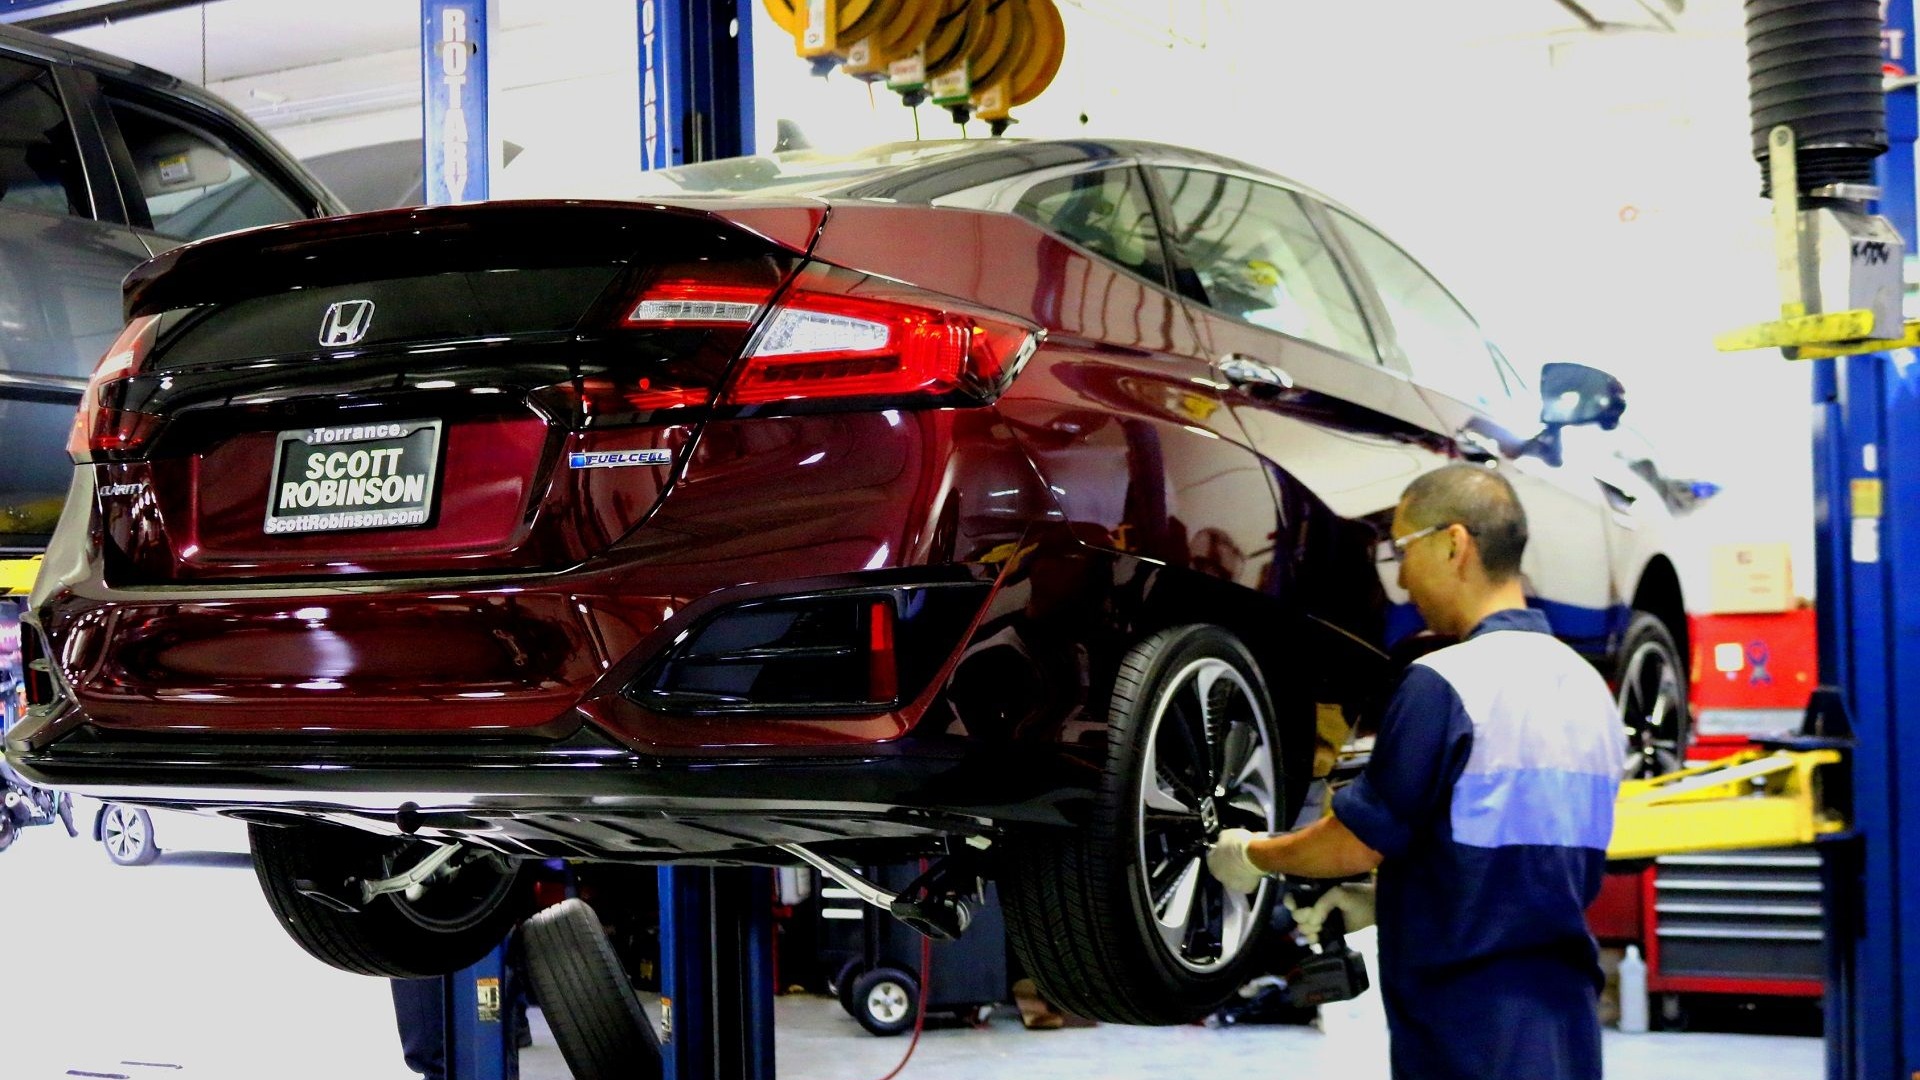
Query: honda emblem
x,y
346,323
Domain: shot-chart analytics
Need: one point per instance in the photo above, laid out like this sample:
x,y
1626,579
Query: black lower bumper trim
x,y
572,801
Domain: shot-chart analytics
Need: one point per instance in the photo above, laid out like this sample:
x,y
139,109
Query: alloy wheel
x,y
125,833
460,895
1209,766
1653,709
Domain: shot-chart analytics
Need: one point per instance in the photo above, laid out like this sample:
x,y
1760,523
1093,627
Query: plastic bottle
x,y
1633,992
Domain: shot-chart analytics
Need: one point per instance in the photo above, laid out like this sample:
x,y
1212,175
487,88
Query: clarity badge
x,y
613,459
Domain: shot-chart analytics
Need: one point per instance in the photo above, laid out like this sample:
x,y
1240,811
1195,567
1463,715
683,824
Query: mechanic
x,y
1486,806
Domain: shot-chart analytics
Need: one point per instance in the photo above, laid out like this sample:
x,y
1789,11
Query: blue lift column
x,y
457,147
696,81
1866,489
716,925
456,143
716,969
477,1011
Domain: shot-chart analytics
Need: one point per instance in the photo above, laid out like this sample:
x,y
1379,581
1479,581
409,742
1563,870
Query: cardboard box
x,y
1752,578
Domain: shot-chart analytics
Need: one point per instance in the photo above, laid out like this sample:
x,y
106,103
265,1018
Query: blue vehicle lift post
x,y
716,925
1867,466
716,965
457,164
478,1018
456,144
696,81
695,87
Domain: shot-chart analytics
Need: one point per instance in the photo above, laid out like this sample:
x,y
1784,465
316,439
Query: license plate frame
x,y
343,501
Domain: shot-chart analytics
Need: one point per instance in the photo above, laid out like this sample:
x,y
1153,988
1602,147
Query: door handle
x,y
1256,377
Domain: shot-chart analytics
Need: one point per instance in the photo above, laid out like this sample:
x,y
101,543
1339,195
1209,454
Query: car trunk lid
x,y
424,392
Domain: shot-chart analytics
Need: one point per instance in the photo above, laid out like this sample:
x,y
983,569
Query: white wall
x,y
347,74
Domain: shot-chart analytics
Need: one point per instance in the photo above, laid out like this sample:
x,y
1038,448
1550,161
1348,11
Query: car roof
x,y
54,50
929,168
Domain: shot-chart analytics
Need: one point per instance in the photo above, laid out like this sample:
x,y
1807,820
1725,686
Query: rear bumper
x,y
581,797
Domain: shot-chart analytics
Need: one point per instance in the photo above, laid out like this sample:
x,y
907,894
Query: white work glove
x,y
1354,902
1227,861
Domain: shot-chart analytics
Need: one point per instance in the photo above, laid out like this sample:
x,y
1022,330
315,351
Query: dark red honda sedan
x,y
1011,502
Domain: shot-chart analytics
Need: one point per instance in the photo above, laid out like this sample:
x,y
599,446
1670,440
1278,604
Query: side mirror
x,y
1573,394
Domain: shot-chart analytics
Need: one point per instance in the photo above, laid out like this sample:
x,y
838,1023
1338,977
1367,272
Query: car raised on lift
x,y
1013,502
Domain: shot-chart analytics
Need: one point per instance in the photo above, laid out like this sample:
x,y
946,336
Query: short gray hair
x,y
1480,500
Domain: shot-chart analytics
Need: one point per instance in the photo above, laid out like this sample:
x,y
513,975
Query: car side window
x,y
194,184
1259,258
1434,336
1108,212
39,160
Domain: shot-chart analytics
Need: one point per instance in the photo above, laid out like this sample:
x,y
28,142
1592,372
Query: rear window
x,y
1108,212
793,172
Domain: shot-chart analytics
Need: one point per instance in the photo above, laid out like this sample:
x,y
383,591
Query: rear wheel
x,y
457,916
1121,921
127,834
1650,689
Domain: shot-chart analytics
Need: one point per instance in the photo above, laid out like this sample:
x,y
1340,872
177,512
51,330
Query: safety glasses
x,y
1394,550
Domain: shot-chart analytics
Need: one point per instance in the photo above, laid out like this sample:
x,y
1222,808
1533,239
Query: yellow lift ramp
x,y
16,575
1752,799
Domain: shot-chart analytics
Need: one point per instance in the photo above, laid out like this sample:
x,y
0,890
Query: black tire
x,y
596,1019
453,925
842,984
1650,689
1080,906
886,1000
9,832
127,834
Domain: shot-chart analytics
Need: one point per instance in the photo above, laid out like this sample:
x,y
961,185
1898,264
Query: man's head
x,y
1461,531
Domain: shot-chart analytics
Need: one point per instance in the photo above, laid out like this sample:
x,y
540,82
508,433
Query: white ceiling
x,y
252,37
230,39
238,38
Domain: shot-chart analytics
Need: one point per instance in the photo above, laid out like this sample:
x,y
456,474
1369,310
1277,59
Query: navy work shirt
x,y
1490,793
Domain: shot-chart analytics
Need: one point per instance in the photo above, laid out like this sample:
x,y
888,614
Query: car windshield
x,y
793,172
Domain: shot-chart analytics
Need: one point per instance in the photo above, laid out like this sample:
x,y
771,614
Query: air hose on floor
x,y
920,1011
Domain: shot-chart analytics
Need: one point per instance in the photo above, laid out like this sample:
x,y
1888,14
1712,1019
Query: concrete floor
x,y
178,970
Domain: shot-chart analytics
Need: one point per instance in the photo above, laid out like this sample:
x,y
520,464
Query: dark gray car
x,y
103,164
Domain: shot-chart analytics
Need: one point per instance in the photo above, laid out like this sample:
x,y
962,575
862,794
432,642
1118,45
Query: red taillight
x,y
836,335
718,302
102,427
831,334
883,672
690,302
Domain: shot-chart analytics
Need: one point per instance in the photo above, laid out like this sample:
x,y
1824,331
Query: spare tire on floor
x,y
596,1019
